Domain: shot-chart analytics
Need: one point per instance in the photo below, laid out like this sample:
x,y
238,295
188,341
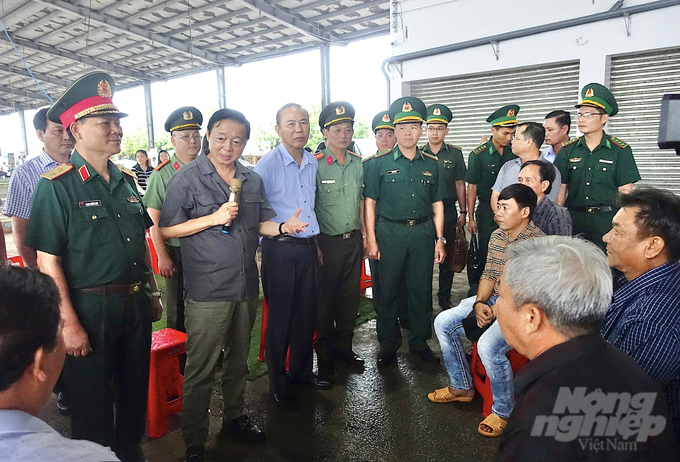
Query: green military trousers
x,y
406,260
592,226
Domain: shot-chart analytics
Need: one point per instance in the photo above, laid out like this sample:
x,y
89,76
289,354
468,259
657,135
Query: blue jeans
x,y
491,348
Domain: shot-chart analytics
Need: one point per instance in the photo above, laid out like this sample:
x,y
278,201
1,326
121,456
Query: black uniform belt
x,y
413,222
294,240
596,209
348,235
115,289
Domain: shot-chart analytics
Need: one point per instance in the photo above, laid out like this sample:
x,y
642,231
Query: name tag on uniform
x,y
446,161
575,159
392,172
94,203
327,181
605,161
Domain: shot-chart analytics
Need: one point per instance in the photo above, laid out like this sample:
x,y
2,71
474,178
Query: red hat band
x,y
86,107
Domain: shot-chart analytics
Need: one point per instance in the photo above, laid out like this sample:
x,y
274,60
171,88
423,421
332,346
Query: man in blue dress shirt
x,y
289,262
644,317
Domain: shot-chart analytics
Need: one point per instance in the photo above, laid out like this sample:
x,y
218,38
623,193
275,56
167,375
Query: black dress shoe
x,y
284,401
326,367
195,453
386,358
63,404
243,427
426,354
313,382
445,304
404,324
350,358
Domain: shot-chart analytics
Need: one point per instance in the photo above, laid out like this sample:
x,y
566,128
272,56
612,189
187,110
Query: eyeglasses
x,y
195,136
436,129
588,115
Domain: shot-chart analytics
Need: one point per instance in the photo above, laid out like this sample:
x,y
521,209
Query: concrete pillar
x,y
221,88
149,116
22,122
325,56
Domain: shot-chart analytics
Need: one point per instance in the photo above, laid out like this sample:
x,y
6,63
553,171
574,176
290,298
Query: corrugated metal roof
x,y
151,40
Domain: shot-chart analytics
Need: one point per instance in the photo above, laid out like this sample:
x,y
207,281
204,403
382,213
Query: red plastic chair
x,y
481,381
15,260
366,281
165,380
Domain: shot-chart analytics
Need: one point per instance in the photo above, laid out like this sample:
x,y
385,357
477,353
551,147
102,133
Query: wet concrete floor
x,y
370,415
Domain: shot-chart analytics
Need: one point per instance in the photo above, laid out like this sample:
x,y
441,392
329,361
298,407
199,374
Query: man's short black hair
x,y
229,114
535,132
29,320
546,171
40,120
658,215
523,195
561,117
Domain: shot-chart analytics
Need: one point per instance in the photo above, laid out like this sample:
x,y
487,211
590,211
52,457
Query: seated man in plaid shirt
x,y
644,317
516,205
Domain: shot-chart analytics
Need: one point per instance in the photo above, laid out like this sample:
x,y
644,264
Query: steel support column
x,y
221,88
149,115
325,55
22,123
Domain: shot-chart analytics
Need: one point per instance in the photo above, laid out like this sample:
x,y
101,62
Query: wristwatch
x,y
440,238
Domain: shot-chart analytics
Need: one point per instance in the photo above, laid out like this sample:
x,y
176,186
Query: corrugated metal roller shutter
x,y
638,82
471,98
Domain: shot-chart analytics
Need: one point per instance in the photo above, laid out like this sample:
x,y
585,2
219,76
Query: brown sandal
x,y
443,395
495,423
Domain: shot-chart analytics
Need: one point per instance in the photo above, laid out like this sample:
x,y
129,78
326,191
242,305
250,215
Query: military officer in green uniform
x,y
453,170
484,163
339,208
405,186
596,167
88,226
184,125
383,128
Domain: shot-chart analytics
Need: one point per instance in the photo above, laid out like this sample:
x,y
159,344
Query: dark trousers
x,y
402,297
592,226
289,281
174,292
485,226
339,276
115,372
406,259
445,274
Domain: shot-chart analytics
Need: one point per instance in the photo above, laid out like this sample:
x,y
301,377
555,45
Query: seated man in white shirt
x,y
31,359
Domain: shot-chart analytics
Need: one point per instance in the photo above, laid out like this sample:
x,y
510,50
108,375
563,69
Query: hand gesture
x,y
294,225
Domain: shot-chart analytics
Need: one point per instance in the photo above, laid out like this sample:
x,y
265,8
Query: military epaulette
x,y
354,154
368,158
567,143
429,155
454,146
619,143
126,171
480,148
161,165
319,155
57,171
380,154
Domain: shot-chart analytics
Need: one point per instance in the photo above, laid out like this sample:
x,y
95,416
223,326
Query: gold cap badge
x,y
386,118
590,93
437,111
340,110
187,115
104,89
406,107
511,112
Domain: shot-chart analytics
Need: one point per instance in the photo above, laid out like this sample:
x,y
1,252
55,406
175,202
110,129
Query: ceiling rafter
x,y
139,32
280,15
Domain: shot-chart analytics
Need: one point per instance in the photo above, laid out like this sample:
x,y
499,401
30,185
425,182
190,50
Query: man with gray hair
x,y
579,398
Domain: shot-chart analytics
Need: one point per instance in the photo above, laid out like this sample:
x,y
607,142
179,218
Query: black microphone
x,y
234,189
